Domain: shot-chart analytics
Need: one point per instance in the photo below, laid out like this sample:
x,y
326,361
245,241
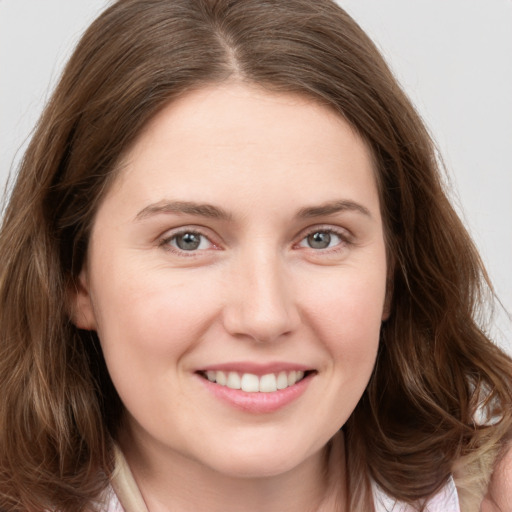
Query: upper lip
x,y
256,368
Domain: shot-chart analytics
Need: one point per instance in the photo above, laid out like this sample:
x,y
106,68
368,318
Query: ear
x,y
388,299
80,304
386,310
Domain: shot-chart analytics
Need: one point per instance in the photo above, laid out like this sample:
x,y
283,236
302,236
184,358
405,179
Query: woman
x,y
228,240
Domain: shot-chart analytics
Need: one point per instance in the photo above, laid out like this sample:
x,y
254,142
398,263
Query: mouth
x,y
254,388
252,383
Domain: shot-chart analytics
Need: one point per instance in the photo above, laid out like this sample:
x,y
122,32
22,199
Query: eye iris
x,y
188,241
319,240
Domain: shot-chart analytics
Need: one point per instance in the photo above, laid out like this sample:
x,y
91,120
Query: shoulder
x,y
499,494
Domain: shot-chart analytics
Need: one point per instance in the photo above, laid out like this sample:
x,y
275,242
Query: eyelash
x,y
343,235
166,242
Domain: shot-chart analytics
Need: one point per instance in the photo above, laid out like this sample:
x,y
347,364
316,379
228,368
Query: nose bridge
x,y
261,303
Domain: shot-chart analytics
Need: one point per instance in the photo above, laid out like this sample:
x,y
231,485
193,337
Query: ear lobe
x,y
388,299
386,310
80,304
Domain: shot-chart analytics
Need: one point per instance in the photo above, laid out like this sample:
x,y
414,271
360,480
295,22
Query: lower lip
x,y
258,403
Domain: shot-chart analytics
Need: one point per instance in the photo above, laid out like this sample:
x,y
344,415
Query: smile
x,y
256,394
251,383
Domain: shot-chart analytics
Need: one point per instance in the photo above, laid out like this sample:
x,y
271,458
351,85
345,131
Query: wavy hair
x,y
436,372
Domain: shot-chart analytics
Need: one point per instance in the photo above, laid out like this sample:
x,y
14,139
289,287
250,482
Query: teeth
x,y
233,380
282,380
220,378
268,383
251,383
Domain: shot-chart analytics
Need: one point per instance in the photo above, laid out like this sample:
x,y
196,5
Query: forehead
x,y
246,139
234,111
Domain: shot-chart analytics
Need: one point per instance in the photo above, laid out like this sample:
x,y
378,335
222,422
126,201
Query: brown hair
x,y
436,368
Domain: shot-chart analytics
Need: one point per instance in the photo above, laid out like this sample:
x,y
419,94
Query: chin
x,y
261,463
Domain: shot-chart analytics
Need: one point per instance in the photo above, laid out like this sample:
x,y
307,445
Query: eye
x,y
188,241
321,239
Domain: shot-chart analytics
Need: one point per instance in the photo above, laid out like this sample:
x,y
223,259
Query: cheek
x,y
147,328
347,315
344,316
150,322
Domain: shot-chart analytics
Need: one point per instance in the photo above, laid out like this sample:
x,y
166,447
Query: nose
x,y
260,301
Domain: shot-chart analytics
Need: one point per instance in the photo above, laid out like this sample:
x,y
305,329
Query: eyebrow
x,y
214,212
331,208
183,207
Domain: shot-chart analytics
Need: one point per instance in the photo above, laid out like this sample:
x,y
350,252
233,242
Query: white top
x,y
446,500
113,503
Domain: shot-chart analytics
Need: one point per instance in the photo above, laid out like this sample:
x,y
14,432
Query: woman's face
x,y
242,245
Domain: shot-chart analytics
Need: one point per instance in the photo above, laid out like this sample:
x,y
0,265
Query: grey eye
x,y
188,241
319,240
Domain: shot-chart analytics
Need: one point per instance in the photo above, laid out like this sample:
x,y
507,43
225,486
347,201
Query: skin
x,y
255,290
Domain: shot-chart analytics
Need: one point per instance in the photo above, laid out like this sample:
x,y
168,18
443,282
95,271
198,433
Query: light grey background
x,y
453,57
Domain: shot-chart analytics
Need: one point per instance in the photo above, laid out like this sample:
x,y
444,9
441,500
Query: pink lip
x,y
258,403
255,368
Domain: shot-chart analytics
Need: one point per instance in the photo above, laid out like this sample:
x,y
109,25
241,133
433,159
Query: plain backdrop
x,y
453,57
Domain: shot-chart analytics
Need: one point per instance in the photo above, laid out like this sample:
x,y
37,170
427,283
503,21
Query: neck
x,y
169,482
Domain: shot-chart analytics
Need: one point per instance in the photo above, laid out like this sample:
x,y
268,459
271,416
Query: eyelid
x,y
345,235
164,240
